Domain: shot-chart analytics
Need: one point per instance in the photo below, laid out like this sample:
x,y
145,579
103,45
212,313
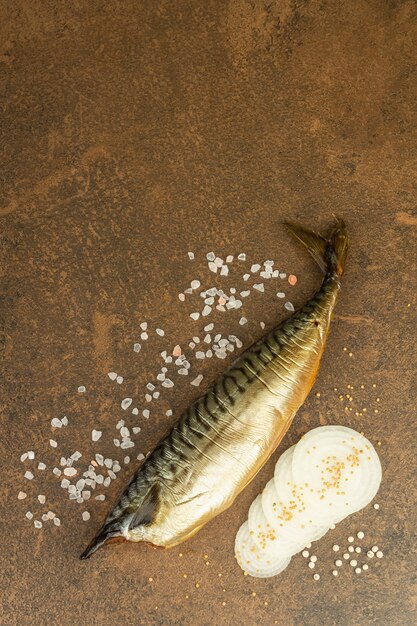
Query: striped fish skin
x,y
221,442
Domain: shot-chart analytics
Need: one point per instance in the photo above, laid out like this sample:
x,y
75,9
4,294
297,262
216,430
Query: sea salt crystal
x,y
207,309
208,328
148,397
212,267
53,443
81,389
241,256
144,336
200,355
37,524
127,444
160,332
195,284
167,383
168,413
65,483
229,258
70,471
259,287
28,475
29,515
191,256
21,495
57,471
57,521
64,421
255,268
246,276
24,457
262,325
136,347
144,325
135,411
146,413
181,296
41,499
224,271
195,315
245,294
140,456
243,321
56,423
96,434
100,498
210,256
280,294
289,306
196,382
119,380
112,375
125,404
85,516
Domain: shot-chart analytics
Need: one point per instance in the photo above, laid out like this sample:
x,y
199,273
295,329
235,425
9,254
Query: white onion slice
x,y
253,561
341,469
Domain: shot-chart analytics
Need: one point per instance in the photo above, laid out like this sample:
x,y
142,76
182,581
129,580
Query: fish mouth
x,y
103,537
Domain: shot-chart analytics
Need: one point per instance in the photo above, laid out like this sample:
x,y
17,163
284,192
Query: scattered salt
x,y
289,306
29,515
41,499
21,495
119,380
125,404
85,516
56,423
196,382
112,375
53,443
81,389
136,347
160,332
28,475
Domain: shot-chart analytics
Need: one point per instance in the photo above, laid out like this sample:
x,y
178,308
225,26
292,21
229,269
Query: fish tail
x,y
329,251
103,536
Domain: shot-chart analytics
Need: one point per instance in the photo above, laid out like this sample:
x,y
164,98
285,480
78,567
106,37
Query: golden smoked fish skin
x,y
221,442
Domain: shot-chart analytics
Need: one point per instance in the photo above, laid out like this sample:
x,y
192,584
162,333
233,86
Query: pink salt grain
x,y
292,279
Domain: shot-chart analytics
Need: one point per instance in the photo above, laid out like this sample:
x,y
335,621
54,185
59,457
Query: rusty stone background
x,y
132,132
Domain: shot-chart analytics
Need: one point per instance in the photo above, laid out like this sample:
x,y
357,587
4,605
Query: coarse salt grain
x,y
21,495
86,516
96,434
191,256
144,325
112,375
160,332
81,389
280,294
119,380
37,524
125,403
56,423
41,466
29,515
136,347
196,382
53,443
28,475
289,306
41,499
70,471
243,321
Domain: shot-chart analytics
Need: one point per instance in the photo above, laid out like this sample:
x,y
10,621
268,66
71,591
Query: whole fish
x,y
221,442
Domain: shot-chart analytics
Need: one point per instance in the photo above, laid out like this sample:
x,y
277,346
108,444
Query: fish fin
x,y
103,536
145,513
329,251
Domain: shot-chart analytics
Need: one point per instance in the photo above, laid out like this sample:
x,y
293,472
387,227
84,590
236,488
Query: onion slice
x,y
254,561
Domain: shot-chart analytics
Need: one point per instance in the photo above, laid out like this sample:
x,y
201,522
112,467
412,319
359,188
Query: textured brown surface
x,y
133,132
